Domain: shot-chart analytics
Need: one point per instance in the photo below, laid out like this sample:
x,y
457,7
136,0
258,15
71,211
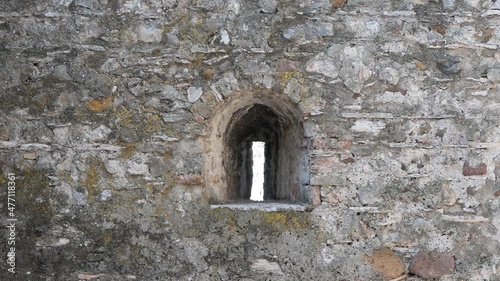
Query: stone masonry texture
x,y
106,108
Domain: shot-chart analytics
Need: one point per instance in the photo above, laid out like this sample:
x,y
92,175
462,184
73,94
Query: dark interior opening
x,y
250,117
254,123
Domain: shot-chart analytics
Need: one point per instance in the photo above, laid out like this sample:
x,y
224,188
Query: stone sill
x,y
266,207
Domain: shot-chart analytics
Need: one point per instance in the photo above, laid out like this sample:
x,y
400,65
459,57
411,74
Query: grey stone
x,y
61,73
61,242
313,106
323,29
311,129
372,26
449,65
367,126
158,167
369,195
79,198
390,75
259,72
266,266
176,117
494,75
289,33
449,4
194,94
169,92
45,163
137,169
354,73
226,85
294,90
137,90
110,65
67,100
323,64
100,134
153,102
128,135
113,166
224,37
449,198
268,6
106,195
149,33
314,6
473,3
89,4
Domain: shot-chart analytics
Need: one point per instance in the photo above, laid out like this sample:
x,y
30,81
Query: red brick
x,y
480,170
190,179
286,65
349,160
430,264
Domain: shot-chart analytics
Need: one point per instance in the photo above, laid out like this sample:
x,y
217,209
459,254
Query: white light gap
x,y
257,193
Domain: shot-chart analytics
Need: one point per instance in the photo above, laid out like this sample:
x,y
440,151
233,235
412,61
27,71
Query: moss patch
x,y
91,182
226,217
154,123
271,222
34,198
99,105
128,151
107,237
286,220
284,77
3,179
144,121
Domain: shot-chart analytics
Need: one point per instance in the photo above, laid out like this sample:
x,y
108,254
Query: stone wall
x,y
106,108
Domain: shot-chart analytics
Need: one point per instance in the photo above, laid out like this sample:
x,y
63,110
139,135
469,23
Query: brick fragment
x,y
386,262
480,170
338,3
286,65
190,179
430,264
348,160
315,195
439,28
396,89
420,65
100,104
497,193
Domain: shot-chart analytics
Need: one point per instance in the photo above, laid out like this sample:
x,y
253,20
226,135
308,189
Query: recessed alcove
x,y
240,122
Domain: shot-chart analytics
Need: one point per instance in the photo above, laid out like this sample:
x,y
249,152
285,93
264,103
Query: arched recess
x,y
256,116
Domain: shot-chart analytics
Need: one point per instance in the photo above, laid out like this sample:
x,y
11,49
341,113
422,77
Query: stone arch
x,y
256,116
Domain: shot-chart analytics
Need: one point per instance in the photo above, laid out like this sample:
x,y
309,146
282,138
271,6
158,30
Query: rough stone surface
x,y
432,264
115,113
